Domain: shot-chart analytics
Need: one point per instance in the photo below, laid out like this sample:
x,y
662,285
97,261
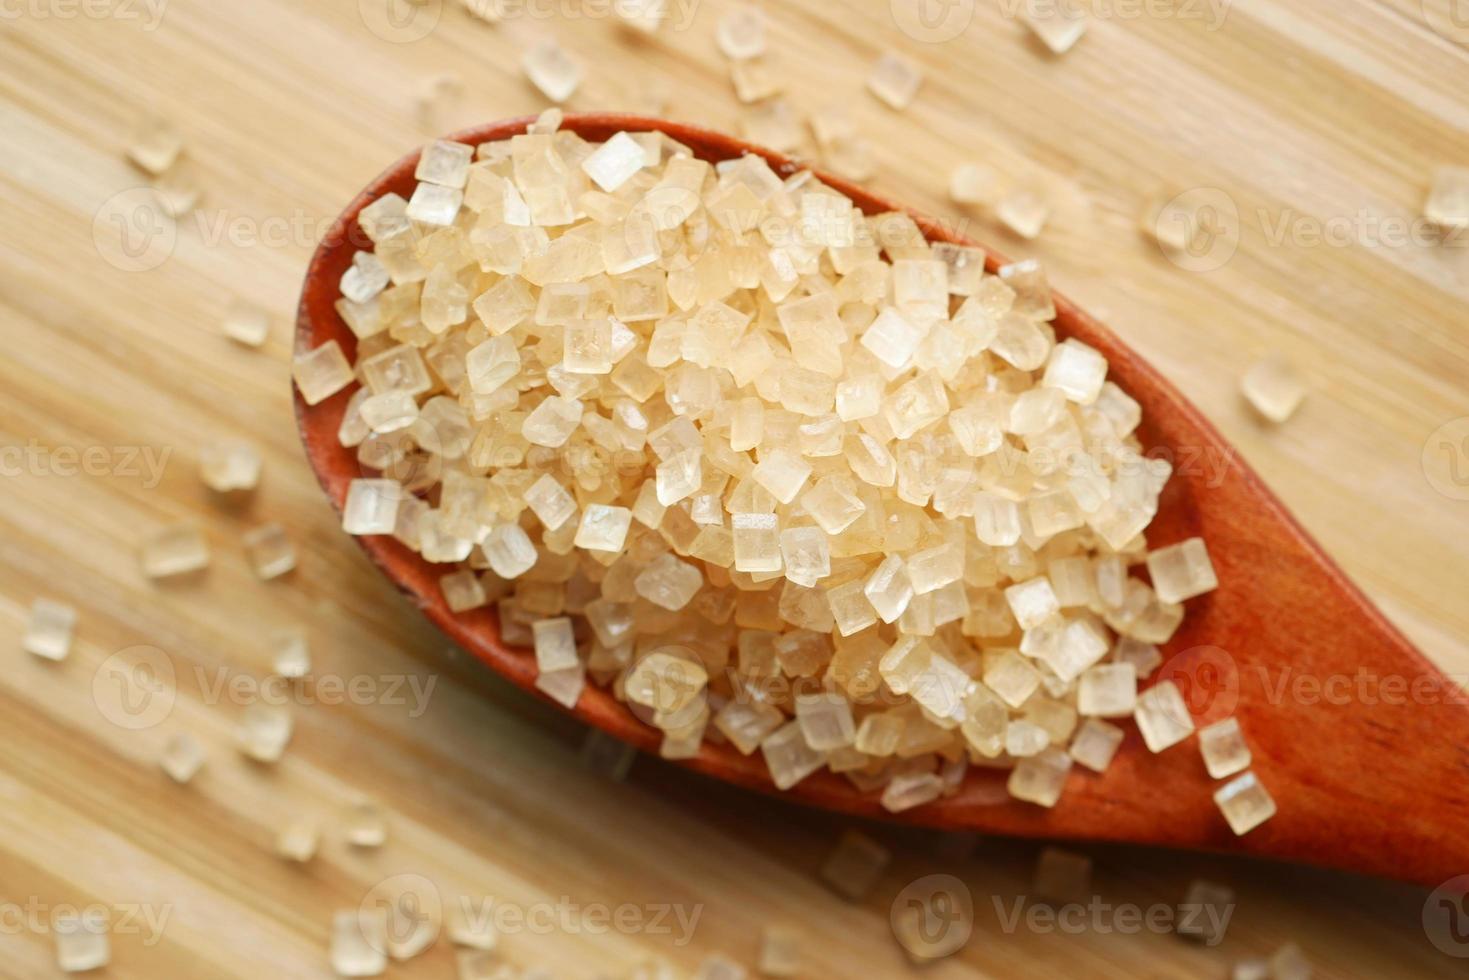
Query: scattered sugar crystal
x,y
359,943
82,943
740,33
1095,744
720,967
372,506
1107,691
182,757
912,789
996,520
668,582
155,147
365,825
1062,877
321,372
1245,803
1033,298
1223,747
679,476
755,79
1163,716
434,204
855,866
1290,963
446,163
247,324
746,723
1024,211
175,550
850,608
290,654
894,79
1041,778
780,952
1251,968
552,70
788,757
603,528
550,502
298,840
264,732
1058,26
510,551
1274,388
756,542
889,589
230,465
806,555
49,630
971,183
1182,571
1144,657
1448,201
773,124
614,162
462,590
933,568
1032,602
893,338
270,551
555,644
1205,911
479,964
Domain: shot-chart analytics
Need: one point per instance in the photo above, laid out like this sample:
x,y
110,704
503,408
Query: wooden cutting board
x,y
1312,128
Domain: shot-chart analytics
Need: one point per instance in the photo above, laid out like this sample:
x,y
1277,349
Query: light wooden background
x,y
1307,111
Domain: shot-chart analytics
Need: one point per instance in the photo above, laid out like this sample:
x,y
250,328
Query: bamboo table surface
x,y
1311,127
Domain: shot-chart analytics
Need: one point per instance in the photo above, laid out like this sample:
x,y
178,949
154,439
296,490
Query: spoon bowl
x,y
1362,742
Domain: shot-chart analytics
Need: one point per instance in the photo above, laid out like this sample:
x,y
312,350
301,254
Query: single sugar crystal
x,y
1077,370
895,80
552,422
82,943
614,162
740,33
264,732
855,866
1182,571
1041,778
756,542
372,506
298,840
48,631
1032,602
788,757
668,582
321,372
889,589
445,163
555,644
1163,717
1062,876
1107,691
1095,744
434,204
229,466
552,70
1245,803
182,757
1059,26
783,473
603,528
290,654
247,324
1448,201
806,555
359,943
1274,388
510,551
826,720
1024,211
1223,747
175,550
550,502
911,789
1205,911
270,551
779,952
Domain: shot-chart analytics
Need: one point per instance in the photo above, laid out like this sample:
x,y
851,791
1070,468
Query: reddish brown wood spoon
x,y
1363,743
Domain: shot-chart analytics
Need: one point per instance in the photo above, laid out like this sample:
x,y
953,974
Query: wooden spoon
x,y
1362,742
